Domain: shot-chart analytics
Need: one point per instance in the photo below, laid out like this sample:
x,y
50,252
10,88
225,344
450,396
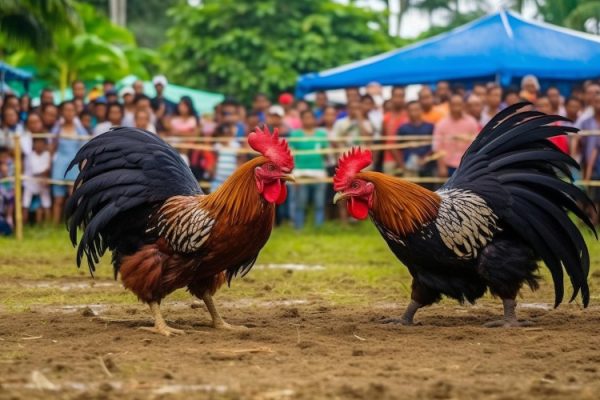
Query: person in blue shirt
x,y
415,158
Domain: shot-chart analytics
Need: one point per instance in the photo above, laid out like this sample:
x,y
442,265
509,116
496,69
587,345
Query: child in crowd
x,y
37,165
6,192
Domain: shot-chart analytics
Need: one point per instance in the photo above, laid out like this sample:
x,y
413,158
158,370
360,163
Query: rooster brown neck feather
x,y
402,206
237,198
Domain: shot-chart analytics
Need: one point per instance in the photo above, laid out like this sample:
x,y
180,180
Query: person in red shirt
x,y
391,122
542,104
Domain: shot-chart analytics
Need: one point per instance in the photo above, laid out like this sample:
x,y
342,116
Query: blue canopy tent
x,y
500,47
8,73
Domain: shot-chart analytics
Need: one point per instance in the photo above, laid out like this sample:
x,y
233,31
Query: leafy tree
x,y
100,50
33,22
241,48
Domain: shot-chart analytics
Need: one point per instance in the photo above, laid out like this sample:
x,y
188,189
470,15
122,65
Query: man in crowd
x,y
430,113
138,87
415,159
49,116
392,120
114,117
591,152
260,105
453,135
442,96
78,88
591,91
46,97
321,103
555,99
160,104
493,103
475,107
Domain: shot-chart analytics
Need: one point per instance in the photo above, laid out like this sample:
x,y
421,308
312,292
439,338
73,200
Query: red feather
x,y
272,147
351,163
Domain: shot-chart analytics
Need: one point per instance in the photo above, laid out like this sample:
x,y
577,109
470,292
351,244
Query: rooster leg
x,y
218,322
510,317
408,317
160,326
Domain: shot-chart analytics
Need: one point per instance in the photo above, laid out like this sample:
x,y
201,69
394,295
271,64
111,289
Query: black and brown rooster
x,y
504,209
135,196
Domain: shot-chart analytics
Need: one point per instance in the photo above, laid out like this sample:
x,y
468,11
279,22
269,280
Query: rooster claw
x,y
399,321
508,323
228,327
163,330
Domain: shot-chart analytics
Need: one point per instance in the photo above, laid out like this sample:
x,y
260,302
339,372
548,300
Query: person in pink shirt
x,y
452,136
292,115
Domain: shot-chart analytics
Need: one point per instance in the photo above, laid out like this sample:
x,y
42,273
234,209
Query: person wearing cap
x,y
128,95
291,117
160,104
274,120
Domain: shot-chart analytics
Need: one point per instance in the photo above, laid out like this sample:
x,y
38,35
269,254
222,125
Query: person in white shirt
x,y
37,166
128,95
142,121
114,117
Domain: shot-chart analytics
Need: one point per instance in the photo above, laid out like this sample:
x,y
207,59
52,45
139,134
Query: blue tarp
x,y
502,46
14,74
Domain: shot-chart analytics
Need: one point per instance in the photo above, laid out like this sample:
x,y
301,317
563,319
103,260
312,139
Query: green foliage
x,y
32,23
147,19
241,48
99,50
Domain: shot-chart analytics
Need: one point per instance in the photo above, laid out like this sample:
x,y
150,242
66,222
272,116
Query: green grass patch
x,y
358,268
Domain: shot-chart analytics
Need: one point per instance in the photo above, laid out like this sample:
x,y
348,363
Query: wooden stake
x,y
18,189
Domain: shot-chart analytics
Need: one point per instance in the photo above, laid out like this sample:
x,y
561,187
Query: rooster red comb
x,y
350,163
272,147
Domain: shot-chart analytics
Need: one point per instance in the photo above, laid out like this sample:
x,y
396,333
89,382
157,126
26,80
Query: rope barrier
x,y
212,139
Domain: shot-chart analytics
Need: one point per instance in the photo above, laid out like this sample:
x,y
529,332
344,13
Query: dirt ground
x,y
299,349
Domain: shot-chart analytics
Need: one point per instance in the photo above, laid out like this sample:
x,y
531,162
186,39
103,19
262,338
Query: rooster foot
x,y
508,323
399,321
226,326
163,330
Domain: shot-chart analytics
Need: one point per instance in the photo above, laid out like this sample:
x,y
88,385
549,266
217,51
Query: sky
x,y
416,21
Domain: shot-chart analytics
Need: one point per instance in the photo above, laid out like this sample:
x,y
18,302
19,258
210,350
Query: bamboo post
x,y
18,189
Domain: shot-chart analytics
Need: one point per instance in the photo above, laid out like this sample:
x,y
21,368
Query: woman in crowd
x,y
66,145
185,122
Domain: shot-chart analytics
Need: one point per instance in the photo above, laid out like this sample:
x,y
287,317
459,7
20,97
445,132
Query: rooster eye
x,y
355,185
270,167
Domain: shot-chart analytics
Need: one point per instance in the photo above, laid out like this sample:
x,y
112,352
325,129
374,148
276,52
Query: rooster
x,y
504,209
135,196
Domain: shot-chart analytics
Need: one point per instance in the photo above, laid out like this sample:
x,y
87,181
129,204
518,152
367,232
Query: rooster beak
x,y
288,177
338,196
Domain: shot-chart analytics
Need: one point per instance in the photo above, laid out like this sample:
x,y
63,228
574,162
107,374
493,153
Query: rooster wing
x,y
125,175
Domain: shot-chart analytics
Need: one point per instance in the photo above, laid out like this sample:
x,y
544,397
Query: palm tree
x,y
99,50
33,22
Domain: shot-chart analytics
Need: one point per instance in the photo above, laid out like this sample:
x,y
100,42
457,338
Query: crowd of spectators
x,y
450,115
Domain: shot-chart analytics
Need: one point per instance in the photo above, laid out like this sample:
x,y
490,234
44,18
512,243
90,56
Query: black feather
x,y
513,166
124,174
